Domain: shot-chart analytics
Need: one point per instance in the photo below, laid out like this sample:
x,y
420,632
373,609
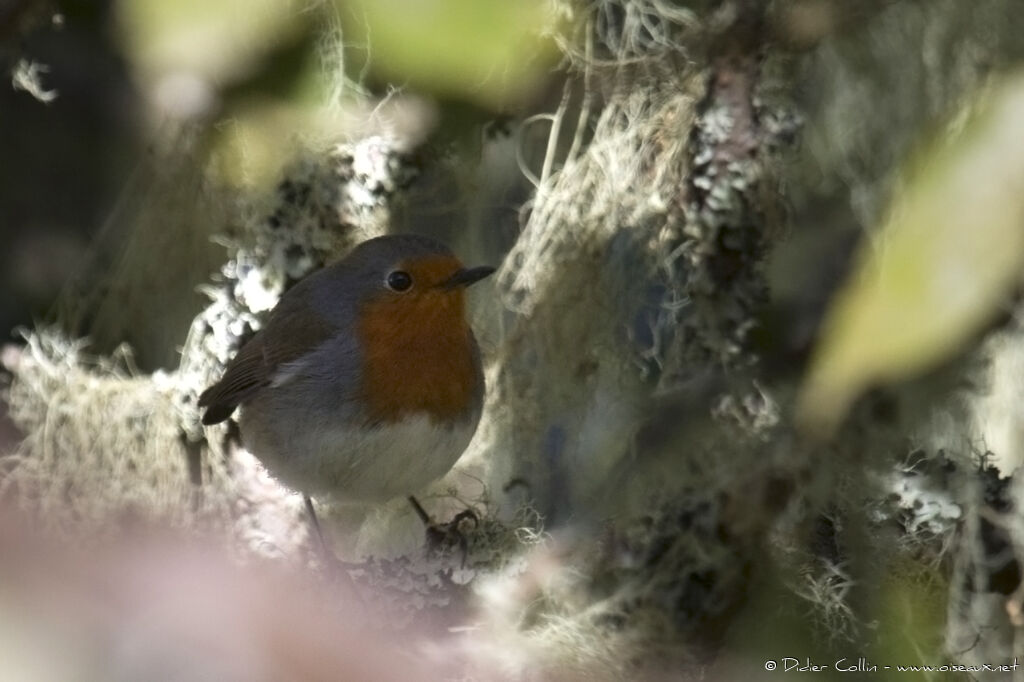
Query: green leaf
x,y
909,610
947,257
247,68
216,41
490,52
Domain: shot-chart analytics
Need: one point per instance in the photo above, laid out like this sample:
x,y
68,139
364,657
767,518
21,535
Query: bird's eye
x,y
399,280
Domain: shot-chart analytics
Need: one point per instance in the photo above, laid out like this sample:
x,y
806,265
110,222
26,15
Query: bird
x,y
366,381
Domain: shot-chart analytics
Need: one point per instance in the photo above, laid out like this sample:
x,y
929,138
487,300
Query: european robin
x,y
366,382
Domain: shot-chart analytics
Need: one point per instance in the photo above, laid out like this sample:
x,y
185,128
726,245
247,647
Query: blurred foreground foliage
x,y
257,69
942,265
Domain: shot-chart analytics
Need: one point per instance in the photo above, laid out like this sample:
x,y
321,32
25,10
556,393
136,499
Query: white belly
x,y
367,465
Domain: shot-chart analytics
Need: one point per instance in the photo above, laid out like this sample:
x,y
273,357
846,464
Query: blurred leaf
x,y
947,257
263,114
289,71
910,615
251,64
491,52
250,149
254,67
218,41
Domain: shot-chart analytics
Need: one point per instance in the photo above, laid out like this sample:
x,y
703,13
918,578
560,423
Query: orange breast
x,y
418,356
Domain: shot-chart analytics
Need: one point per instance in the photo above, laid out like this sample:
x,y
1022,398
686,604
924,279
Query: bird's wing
x,y
260,361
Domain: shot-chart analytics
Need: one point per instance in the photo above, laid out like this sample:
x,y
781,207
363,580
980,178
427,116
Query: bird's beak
x,y
466,276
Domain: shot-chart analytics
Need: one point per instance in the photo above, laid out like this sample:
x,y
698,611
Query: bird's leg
x,y
326,554
332,565
440,535
420,511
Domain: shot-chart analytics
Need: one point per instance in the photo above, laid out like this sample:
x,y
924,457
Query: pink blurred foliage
x,y
151,605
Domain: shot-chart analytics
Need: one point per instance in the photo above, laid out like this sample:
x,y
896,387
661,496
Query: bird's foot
x,y
442,536
445,536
